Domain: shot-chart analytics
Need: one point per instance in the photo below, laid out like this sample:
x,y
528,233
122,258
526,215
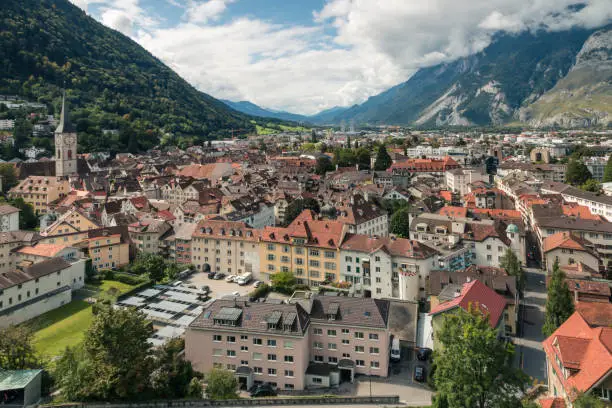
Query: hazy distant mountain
x,y
499,84
251,109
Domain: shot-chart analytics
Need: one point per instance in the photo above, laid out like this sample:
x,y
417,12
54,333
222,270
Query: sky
x,y
304,56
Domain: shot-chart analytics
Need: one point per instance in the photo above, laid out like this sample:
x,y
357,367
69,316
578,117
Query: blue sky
x,y
308,55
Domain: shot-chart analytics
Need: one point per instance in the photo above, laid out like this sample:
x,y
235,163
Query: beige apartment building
x,y
307,247
313,342
40,191
229,247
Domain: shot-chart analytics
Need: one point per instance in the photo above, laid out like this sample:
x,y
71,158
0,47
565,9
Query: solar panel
x,y
181,297
154,314
274,318
228,313
148,293
168,306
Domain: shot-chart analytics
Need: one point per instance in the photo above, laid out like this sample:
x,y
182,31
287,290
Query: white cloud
x,y
376,44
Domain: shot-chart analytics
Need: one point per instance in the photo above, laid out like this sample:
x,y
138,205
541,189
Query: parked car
x,y
419,373
395,354
257,284
236,293
230,278
263,390
219,275
423,354
205,288
211,275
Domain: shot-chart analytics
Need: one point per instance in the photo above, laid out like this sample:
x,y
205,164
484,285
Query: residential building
x,y
225,246
597,203
364,217
494,278
579,356
9,241
307,247
32,289
431,166
474,294
596,166
382,267
40,191
568,248
148,236
9,218
71,221
459,180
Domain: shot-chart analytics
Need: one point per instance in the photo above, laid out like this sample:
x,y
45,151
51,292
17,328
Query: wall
x,y
564,256
36,309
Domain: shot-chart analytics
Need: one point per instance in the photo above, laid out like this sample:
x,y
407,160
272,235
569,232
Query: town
x,y
327,261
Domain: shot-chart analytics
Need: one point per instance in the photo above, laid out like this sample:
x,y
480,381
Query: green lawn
x,y
66,326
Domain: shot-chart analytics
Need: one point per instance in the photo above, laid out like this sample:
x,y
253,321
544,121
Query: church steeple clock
x,y
65,144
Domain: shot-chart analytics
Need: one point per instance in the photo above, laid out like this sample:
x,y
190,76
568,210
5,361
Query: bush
x,y
260,292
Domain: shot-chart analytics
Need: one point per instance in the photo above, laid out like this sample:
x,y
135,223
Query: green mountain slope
x,y
486,88
250,108
111,81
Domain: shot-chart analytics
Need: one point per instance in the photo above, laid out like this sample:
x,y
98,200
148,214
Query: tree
x,y
588,401
150,264
195,388
577,173
313,136
474,368
9,177
172,270
362,157
383,160
400,222
17,351
221,385
512,265
113,362
608,171
324,165
348,142
591,185
559,304
173,375
283,282
27,216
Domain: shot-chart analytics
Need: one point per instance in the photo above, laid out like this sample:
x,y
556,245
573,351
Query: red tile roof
x,y
452,211
477,294
395,246
595,314
41,249
426,165
447,195
579,211
326,234
552,402
494,213
564,240
585,349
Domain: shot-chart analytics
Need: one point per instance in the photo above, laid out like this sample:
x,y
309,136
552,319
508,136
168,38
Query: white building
x,y
459,180
36,288
364,217
596,166
7,124
386,267
597,204
9,218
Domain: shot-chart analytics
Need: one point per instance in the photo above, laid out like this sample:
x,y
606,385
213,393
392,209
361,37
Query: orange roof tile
x,y
41,249
453,211
565,240
552,402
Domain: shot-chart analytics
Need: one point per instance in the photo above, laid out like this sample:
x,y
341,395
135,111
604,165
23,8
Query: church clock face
x,y
68,140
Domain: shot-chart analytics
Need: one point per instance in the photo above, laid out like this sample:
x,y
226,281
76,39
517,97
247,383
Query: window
x,y
488,247
289,373
489,257
317,331
315,274
271,357
331,332
299,251
271,371
345,341
299,261
317,380
289,386
271,257
217,352
359,349
373,336
271,247
331,346
244,348
257,341
330,254
359,335
314,263
231,353
333,360
217,337
231,339
271,343
257,370
244,362
345,331
244,337
288,359
360,363
374,364
374,350
318,345
288,344
314,252
318,359
257,356
284,259
377,258
330,265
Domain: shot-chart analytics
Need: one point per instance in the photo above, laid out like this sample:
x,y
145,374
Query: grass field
x,y
66,326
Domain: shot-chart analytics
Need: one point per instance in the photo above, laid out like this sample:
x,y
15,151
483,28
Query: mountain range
x,y
537,79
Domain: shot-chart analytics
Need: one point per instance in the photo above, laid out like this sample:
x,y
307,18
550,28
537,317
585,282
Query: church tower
x,y
65,144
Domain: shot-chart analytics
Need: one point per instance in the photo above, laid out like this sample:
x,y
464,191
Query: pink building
x,y
315,342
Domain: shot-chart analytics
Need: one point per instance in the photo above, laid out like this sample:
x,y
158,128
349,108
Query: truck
x,y
395,354
244,279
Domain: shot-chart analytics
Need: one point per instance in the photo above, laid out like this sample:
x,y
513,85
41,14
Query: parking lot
x,y
219,288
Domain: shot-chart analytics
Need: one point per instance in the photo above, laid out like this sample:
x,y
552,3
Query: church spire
x,y
65,125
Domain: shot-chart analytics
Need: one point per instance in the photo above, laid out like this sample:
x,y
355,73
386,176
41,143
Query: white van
x,y
244,279
395,350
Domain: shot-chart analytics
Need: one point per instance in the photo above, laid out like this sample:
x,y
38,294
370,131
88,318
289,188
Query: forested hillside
x,y
111,81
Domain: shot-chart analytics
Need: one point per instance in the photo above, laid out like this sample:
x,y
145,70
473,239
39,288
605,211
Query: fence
x,y
374,400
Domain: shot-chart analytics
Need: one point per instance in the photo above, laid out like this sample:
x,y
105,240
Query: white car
x,y
236,293
257,284
230,278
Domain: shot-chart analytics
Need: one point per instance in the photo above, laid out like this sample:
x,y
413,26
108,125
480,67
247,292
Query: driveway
x,y
530,354
219,288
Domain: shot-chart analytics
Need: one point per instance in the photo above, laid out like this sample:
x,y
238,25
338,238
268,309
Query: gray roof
x,y
65,125
365,312
16,379
8,209
35,271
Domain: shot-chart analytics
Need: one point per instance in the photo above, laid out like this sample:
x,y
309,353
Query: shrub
x,y
261,291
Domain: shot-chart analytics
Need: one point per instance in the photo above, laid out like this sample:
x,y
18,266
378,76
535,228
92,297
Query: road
x,y
530,354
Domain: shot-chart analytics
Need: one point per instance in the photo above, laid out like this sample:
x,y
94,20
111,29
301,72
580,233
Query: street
x,y
530,355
